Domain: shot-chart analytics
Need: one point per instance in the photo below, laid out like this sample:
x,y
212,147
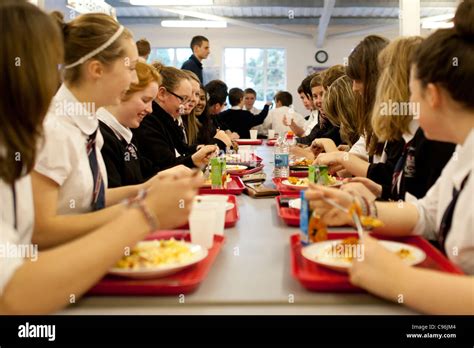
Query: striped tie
x,y
98,196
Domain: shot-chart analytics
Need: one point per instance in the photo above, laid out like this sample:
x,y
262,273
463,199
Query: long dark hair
x,y
363,67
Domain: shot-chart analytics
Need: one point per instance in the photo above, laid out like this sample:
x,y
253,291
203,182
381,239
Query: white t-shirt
x,y
11,239
460,240
63,156
275,117
311,122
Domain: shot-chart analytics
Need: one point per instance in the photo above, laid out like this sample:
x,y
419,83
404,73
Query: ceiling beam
x,y
236,22
324,22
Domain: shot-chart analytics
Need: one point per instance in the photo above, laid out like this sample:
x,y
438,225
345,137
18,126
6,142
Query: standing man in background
x,y
201,50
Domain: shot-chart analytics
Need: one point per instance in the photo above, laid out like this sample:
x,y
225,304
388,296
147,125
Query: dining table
x,y
251,275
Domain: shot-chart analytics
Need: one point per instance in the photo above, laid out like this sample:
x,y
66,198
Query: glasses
x,y
183,100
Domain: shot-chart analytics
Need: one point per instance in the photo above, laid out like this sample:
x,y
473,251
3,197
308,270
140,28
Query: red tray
x,y
184,282
284,190
235,187
231,216
271,142
249,141
319,278
247,171
290,216
299,173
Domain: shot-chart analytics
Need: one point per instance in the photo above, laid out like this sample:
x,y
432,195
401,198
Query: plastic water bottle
x,y
282,152
291,141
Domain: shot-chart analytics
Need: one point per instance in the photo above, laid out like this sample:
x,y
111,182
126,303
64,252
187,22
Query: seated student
x,y
250,96
124,164
421,161
238,120
446,212
192,124
339,108
274,120
70,177
160,139
207,132
304,91
324,128
41,283
217,91
144,50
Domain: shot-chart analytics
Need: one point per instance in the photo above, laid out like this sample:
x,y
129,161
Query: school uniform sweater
x,y
161,141
241,121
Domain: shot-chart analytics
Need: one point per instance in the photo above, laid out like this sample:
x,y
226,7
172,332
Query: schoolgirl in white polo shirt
x,y
33,282
70,178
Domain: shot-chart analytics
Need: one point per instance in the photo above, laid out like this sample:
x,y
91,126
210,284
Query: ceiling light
x,y
171,2
193,24
436,25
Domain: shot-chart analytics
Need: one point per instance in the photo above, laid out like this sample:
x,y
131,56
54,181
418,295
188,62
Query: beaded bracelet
x,y
139,202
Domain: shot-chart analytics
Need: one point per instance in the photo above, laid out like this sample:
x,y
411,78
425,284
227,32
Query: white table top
x,y
251,275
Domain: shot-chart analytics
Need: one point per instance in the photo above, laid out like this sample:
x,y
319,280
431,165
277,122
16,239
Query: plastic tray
x,y
235,187
183,282
247,171
284,190
249,141
318,278
290,216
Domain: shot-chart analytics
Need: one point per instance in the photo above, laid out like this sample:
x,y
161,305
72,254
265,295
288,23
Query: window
x,y
263,69
174,56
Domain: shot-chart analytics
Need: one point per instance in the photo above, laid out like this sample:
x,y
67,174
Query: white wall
x,y
299,51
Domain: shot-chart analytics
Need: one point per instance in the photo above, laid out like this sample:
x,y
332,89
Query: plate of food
x,y
296,183
158,258
235,167
302,163
339,254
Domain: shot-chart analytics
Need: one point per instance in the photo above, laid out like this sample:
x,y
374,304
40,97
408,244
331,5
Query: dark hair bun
x,y
464,19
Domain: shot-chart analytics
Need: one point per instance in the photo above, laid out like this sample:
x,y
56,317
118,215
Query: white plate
x,y
235,167
198,254
246,140
296,187
323,254
295,203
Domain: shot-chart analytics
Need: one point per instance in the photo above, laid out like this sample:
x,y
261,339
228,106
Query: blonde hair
x,y
330,75
146,74
84,34
339,107
192,125
392,87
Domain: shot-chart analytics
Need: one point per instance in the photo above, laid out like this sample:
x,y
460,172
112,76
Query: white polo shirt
x,y
274,120
63,156
11,238
460,240
311,122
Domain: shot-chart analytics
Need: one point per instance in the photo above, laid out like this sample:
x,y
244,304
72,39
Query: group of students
x,y
89,168
403,113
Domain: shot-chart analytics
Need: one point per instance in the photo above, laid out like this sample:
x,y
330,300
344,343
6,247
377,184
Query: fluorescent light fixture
x,y
438,22
437,25
193,24
171,2
88,6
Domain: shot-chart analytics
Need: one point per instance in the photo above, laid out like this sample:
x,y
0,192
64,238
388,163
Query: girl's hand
x,y
203,156
171,199
378,270
372,186
329,215
357,189
333,160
